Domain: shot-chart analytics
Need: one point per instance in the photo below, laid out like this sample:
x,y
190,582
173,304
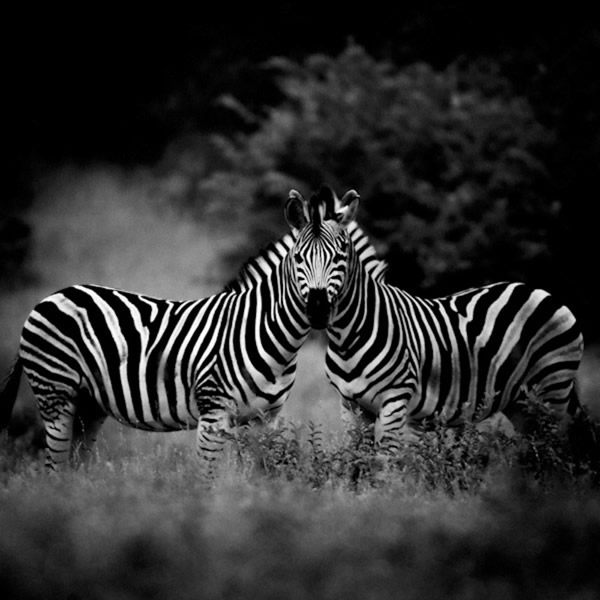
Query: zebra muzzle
x,y
318,308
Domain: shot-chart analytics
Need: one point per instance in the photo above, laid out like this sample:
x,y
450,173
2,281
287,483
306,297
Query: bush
x,y
455,460
452,460
289,453
549,452
450,164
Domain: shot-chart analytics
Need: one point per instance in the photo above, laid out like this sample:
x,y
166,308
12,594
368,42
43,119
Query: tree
x,y
449,163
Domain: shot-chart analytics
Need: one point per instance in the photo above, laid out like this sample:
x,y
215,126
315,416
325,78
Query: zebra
x,y
398,361
90,352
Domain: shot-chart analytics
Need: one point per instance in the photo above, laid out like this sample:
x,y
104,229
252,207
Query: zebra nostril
x,y
318,308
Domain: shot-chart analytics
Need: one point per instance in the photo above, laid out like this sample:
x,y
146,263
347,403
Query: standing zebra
x,y
164,365
399,360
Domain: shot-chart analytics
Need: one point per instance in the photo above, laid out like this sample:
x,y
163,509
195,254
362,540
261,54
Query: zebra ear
x,y
348,208
295,210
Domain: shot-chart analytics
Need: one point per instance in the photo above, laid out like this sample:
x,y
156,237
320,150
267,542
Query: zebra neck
x,y
281,314
358,304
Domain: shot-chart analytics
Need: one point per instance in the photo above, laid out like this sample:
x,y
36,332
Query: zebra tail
x,y
8,393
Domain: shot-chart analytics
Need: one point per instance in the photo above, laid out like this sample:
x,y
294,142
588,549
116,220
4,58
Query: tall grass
x,y
292,515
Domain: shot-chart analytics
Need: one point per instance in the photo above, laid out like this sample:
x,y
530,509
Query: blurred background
x,y
154,151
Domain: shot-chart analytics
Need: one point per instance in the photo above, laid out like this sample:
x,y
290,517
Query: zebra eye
x,y
298,258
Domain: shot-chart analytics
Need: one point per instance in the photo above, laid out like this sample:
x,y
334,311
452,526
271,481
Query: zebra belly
x,y
257,409
165,426
144,408
458,399
359,391
456,396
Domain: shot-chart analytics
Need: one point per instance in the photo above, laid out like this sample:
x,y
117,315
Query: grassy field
x,y
146,525
299,512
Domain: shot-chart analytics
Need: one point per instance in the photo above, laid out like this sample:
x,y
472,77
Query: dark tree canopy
x,y
119,87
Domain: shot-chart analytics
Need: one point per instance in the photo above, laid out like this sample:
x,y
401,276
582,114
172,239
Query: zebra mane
x,y
259,267
314,205
374,266
324,197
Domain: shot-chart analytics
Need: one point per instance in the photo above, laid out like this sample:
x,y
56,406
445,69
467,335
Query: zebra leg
x,y
216,417
210,439
210,433
58,413
391,425
88,421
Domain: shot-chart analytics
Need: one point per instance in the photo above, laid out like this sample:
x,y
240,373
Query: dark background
x,y
118,87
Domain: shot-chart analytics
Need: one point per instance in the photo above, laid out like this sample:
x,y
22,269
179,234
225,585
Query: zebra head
x,y
319,257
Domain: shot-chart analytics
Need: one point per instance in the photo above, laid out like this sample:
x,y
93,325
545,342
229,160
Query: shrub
x,y
549,451
291,453
452,460
455,459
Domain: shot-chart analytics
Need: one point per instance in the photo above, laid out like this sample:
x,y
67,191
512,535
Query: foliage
x,y
287,452
553,451
294,513
145,525
456,460
453,460
450,163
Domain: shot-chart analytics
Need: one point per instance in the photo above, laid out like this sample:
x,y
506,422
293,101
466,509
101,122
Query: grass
x,y
289,515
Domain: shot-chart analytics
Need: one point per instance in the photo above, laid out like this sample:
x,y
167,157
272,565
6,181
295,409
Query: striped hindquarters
x,y
137,356
484,349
